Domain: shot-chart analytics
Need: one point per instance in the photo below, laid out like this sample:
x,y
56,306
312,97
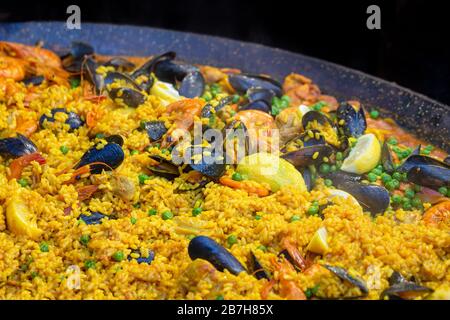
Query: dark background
x,y
412,48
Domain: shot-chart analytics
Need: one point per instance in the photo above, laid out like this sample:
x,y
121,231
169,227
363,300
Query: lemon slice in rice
x,y
19,218
272,170
364,156
336,193
318,243
165,91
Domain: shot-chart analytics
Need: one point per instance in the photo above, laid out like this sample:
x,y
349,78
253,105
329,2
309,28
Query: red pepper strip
x,y
17,165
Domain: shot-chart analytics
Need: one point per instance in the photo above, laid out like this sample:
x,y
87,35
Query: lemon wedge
x,y
318,243
165,91
18,218
272,170
364,156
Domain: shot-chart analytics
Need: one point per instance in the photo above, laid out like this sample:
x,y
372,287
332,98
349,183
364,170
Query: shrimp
x,y
301,90
183,113
12,68
260,191
260,126
287,287
17,165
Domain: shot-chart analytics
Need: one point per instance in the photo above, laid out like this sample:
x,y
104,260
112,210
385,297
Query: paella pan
x,y
132,177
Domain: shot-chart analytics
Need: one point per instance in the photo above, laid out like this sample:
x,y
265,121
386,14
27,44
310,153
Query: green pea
x,y
262,248
333,168
152,212
34,274
392,141
385,177
137,205
390,185
237,176
377,172
407,206
220,297
89,264
416,203
23,182
142,178
84,239
395,183
426,152
295,218
236,98
258,217
134,152
409,193
397,176
133,220
324,168
397,199
339,156
100,136
443,190
196,211
328,182
232,239
207,96
374,114
167,215
372,177
74,82
43,246
64,149
313,210
118,256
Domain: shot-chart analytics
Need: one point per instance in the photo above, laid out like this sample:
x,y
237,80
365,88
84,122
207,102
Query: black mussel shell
x,y
213,167
257,94
148,260
430,176
93,218
260,105
164,168
344,275
73,60
155,129
115,138
386,158
35,81
73,119
97,80
119,64
447,161
308,177
243,82
419,161
317,116
371,197
354,121
192,85
399,287
130,97
148,67
111,155
173,71
256,268
114,76
202,247
305,156
17,146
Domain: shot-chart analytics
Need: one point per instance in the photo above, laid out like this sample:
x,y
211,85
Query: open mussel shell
x,y
259,99
115,138
172,71
17,146
344,275
242,82
202,247
212,166
426,171
371,197
107,158
352,122
256,269
129,96
114,76
316,116
120,64
308,155
192,85
148,67
308,176
260,105
155,129
96,79
73,119
35,80
386,158
164,168
73,59
400,288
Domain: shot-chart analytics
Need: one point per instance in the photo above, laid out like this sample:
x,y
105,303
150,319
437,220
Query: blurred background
x,y
412,48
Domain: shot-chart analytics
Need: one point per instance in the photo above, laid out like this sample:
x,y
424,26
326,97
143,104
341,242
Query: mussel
x,y
120,64
344,275
259,99
129,92
400,288
351,122
386,158
148,260
308,155
93,218
256,269
107,158
17,146
73,119
164,168
35,81
155,129
202,247
242,82
212,166
73,59
371,197
426,171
